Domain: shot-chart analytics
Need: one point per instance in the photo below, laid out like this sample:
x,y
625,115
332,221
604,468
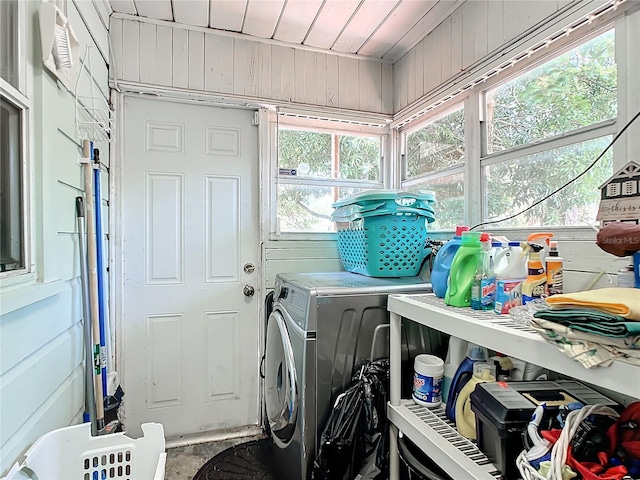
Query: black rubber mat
x,y
245,461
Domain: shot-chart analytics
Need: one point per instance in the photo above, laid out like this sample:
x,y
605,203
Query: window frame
x,y
476,157
16,98
343,127
20,97
437,114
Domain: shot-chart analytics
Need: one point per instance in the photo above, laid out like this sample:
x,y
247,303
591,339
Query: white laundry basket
x,y
71,453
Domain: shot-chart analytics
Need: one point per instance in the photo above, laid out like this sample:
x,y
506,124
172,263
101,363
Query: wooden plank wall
x,y
199,60
476,30
585,264
302,256
41,339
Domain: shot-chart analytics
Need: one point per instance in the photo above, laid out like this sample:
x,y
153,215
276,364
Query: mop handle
x,y
93,283
89,399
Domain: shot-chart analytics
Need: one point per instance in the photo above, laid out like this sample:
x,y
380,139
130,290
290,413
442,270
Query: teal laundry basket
x,y
384,245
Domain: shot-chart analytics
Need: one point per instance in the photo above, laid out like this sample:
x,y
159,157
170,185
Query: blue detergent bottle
x,y
475,354
442,263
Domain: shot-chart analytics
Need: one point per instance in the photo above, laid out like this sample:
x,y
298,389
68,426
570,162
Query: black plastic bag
x,y
355,422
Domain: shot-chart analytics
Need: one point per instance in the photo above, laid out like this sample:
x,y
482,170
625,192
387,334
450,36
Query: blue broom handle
x,y
97,190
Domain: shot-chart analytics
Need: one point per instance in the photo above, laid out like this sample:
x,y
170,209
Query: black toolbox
x,y
503,410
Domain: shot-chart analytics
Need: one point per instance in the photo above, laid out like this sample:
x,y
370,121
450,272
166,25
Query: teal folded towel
x,y
592,321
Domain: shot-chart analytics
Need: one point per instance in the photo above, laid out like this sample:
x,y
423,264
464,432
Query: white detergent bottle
x,y
456,353
509,277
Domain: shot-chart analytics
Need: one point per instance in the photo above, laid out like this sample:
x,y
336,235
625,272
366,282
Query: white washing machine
x,y
322,328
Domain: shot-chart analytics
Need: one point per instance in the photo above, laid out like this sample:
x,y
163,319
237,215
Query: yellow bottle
x,y
553,264
535,284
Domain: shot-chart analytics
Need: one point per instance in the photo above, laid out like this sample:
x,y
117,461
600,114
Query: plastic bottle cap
x,y
460,229
485,237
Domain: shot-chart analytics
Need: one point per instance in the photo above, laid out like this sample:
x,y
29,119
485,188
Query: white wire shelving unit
x,y
428,428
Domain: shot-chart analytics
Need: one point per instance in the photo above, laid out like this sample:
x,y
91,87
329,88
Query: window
x,y
317,168
544,128
534,131
434,160
11,221
13,114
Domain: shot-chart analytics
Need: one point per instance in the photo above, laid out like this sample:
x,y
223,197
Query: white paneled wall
x,y
41,341
477,31
199,60
298,257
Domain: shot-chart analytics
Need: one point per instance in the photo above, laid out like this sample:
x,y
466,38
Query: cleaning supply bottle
x,y
509,277
456,353
463,374
442,262
553,265
463,270
483,288
535,284
513,264
465,418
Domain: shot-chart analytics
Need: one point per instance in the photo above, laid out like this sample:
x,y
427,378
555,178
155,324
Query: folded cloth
x,y
589,354
615,300
592,321
630,342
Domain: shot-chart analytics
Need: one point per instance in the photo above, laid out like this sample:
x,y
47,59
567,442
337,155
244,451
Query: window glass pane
x,y
11,241
436,146
9,41
449,207
303,208
574,90
309,153
359,157
326,155
514,185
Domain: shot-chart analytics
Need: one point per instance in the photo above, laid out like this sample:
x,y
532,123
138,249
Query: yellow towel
x,y
618,301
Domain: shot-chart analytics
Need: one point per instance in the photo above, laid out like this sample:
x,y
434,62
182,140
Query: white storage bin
x,y
71,453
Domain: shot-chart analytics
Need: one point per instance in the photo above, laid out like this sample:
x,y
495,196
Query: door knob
x,y
248,291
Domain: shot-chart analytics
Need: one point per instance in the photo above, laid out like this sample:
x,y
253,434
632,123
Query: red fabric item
x,y
625,433
596,471
551,435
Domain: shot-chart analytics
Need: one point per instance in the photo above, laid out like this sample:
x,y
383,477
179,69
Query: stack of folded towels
x,y
594,327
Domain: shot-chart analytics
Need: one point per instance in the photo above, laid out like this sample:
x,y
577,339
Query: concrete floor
x,y
184,462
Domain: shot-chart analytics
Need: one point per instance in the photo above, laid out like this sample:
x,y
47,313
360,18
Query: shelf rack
x,y
425,427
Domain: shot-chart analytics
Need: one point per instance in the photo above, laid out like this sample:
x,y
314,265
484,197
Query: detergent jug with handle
x,y
442,262
509,277
465,418
475,354
463,271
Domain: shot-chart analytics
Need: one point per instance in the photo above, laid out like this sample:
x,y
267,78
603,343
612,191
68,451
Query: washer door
x,y
281,390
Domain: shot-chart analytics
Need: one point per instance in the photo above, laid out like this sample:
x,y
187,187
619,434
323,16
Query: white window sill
x,y
304,236
20,296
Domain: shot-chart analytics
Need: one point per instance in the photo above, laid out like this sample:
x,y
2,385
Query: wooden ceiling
x,y
384,29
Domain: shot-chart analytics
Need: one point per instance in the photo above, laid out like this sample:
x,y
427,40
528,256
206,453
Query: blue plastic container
x,y
442,263
463,374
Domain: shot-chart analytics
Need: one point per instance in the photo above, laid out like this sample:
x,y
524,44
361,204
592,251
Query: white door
x,y
190,225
